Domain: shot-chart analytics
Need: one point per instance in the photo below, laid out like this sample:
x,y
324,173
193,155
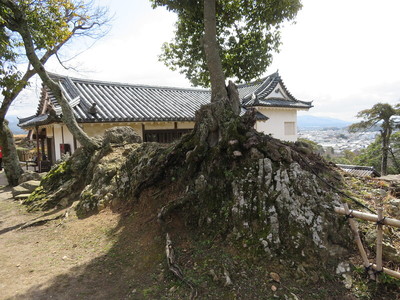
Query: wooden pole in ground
x,y
38,156
379,238
368,217
360,246
387,271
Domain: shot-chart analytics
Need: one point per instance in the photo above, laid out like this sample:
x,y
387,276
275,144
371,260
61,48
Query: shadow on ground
x,y
123,272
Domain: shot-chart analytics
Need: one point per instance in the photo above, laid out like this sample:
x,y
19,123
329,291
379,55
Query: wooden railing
x,y
372,269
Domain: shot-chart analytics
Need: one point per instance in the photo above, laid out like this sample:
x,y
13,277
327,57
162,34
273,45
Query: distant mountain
x,y
13,121
317,123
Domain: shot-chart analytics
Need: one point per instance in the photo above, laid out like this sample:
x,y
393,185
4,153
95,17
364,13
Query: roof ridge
x,y
356,167
103,82
262,79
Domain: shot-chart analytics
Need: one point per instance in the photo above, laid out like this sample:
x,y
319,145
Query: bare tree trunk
x,y
211,50
224,100
211,119
20,25
11,93
213,59
11,161
11,164
68,114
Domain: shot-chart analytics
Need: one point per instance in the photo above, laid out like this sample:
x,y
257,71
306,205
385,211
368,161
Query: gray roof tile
x,y
258,94
360,171
140,103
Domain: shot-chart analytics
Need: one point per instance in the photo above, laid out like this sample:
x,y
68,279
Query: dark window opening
x,y
164,136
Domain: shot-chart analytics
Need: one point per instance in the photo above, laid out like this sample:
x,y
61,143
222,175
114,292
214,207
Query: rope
x,y
377,272
381,221
369,268
349,215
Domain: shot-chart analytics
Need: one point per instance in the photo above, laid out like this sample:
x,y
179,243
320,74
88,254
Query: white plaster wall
x,y
94,129
185,125
276,123
57,141
159,125
275,126
68,139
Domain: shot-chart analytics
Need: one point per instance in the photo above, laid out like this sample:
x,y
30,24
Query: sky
x,y
341,54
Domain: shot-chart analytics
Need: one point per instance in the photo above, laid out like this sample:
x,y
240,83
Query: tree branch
x,y
68,115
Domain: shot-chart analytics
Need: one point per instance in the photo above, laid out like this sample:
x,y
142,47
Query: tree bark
x,y
219,92
68,114
211,50
11,164
20,25
224,100
10,94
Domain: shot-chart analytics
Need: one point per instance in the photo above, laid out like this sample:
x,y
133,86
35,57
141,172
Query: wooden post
x,y
387,271
368,217
62,134
379,238
360,246
38,158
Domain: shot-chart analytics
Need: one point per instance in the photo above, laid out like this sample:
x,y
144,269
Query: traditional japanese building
x,y
159,114
360,171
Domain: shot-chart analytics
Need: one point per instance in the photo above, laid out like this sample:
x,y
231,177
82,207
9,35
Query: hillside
x,y
13,124
307,122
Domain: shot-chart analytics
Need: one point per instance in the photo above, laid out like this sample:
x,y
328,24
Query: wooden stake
x,y
38,156
368,217
387,271
354,229
379,238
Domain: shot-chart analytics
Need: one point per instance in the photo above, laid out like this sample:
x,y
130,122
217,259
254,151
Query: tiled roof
x,y
35,120
118,102
261,93
123,102
361,171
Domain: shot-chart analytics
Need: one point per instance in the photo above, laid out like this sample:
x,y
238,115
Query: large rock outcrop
x,y
257,190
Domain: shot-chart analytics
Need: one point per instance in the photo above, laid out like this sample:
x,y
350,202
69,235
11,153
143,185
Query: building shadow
x,y
129,270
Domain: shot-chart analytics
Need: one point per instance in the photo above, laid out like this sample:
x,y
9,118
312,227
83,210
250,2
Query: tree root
x,y
174,267
42,221
170,207
169,250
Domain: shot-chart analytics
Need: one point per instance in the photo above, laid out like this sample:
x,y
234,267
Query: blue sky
x,y
342,54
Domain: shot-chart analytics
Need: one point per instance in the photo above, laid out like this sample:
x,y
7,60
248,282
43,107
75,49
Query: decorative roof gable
x,y
270,92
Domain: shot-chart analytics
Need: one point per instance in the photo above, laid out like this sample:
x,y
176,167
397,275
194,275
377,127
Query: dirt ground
x,y
92,258
122,256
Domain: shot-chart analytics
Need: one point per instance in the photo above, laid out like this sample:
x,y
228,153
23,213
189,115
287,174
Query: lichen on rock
x,y
266,198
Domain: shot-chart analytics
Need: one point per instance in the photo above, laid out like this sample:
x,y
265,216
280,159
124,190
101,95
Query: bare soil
x,y
104,256
120,255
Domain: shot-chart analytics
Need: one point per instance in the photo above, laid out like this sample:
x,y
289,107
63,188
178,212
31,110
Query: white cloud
x,y
343,55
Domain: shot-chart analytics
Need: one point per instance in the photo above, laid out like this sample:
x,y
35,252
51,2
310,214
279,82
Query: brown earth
x,y
116,255
71,258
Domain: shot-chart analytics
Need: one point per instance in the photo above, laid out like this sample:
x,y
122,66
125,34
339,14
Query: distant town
x,y
339,139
